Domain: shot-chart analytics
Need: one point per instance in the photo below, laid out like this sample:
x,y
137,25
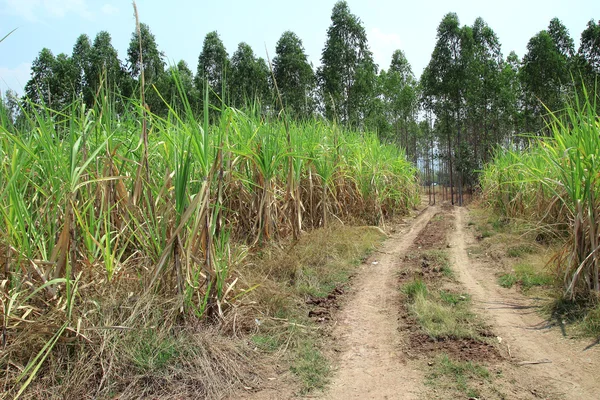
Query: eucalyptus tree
x,y
213,68
589,48
294,75
52,80
81,56
588,58
151,58
40,88
348,74
483,67
401,98
105,66
173,85
545,76
443,84
510,98
249,81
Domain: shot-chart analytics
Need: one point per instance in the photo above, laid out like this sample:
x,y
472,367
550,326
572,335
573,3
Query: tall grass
x,y
556,183
86,203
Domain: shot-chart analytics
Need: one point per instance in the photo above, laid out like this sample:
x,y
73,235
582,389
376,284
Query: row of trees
x,y
480,99
468,99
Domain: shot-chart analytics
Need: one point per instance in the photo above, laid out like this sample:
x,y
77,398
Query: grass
x,y
91,217
311,367
554,184
519,250
319,262
579,317
442,314
458,377
526,276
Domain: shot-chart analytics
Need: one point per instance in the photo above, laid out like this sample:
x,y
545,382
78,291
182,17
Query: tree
x,y
152,58
294,75
482,60
105,66
65,78
40,88
348,74
443,85
52,80
249,77
588,55
510,97
213,68
173,85
561,38
543,76
400,94
82,64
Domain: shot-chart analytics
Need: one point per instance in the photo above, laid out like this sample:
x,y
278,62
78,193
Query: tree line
x,y
469,98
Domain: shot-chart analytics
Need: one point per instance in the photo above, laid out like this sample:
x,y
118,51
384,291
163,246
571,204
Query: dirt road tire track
x,y
372,365
573,371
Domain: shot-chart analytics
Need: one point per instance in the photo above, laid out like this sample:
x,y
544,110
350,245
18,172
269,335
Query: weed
x,y
457,375
526,276
151,352
507,280
582,314
486,234
265,342
453,298
415,288
442,320
310,366
519,250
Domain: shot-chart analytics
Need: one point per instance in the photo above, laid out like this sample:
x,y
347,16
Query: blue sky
x,y
180,26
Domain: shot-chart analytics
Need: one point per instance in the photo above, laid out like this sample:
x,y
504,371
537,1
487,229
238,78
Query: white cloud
x,y
32,10
383,45
109,9
15,78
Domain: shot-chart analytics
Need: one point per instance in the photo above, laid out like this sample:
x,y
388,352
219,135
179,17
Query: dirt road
x,y
372,365
569,370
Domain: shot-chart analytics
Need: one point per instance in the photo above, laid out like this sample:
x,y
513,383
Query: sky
x,y
181,25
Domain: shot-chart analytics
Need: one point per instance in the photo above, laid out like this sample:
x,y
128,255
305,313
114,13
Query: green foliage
x,y
249,81
554,182
415,288
213,68
526,276
459,376
311,367
294,75
348,73
151,353
152,59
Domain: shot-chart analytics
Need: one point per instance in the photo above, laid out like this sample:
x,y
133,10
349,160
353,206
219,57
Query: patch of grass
x,y
325,259
526,276
457,376
266,342
415,288
519,250
486,234
311,367
453,298
581,315
151,352
442,318
507,280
